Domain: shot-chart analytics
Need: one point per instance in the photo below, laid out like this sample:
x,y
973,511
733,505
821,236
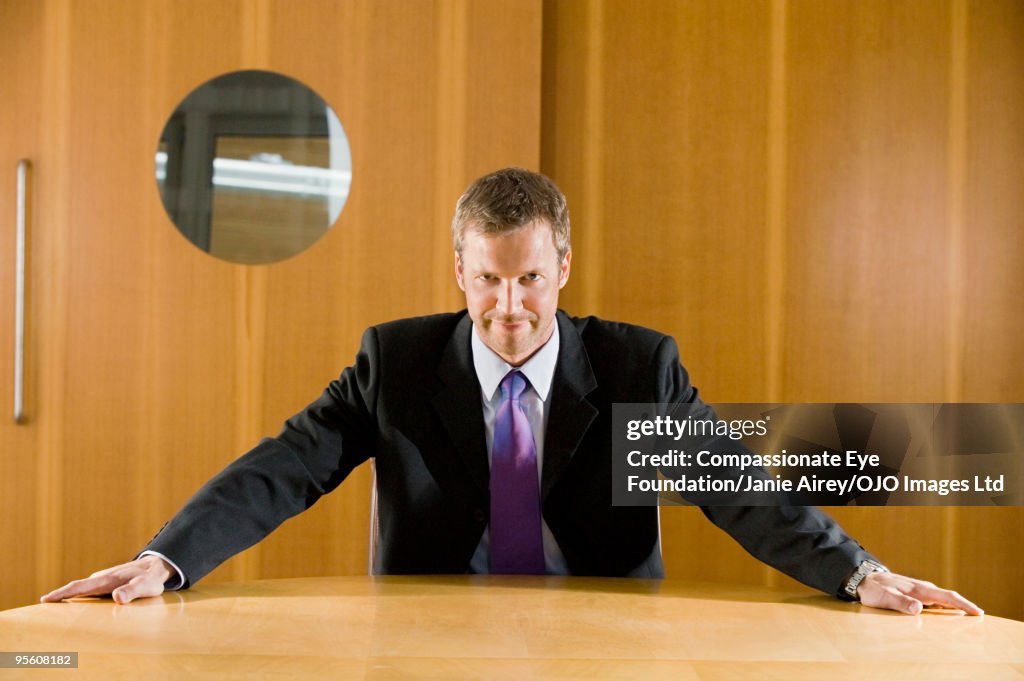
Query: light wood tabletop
x,y
478,627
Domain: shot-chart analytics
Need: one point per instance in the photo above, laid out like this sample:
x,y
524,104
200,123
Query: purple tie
x,y
516,545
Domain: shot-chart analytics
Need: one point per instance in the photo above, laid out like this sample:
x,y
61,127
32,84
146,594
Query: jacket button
x,y
479,515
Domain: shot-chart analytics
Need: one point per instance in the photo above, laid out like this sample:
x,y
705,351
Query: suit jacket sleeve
x,y
280,477
801,541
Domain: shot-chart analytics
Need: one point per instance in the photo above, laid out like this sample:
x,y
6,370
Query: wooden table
x,y
506,628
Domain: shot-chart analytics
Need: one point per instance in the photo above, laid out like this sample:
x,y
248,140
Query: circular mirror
x,y
253,167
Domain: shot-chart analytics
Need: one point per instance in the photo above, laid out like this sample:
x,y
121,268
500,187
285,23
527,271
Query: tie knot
x,y
513,385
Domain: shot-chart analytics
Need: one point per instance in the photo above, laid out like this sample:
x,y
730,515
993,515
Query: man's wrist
x,y
857,577
176,580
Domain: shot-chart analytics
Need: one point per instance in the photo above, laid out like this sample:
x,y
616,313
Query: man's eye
x,y
532,276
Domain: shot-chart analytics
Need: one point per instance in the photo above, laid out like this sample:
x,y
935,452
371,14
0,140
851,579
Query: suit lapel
x,y
571,414
458,404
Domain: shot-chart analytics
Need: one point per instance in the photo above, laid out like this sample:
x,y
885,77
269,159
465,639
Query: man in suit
x,y
491,432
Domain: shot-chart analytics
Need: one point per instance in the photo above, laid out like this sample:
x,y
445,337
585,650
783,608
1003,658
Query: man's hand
x,y
906,594
137,579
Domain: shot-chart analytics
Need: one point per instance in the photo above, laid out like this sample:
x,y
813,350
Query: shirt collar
x,y
539,369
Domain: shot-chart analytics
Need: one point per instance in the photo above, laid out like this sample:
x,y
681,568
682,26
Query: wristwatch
x,y
862,571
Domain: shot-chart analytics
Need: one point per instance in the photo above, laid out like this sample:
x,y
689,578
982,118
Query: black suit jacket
x,y
412,401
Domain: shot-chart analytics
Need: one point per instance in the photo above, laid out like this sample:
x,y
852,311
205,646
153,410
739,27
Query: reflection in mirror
x,y
253,167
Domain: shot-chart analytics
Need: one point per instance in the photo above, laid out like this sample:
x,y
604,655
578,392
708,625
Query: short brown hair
x,y
511,198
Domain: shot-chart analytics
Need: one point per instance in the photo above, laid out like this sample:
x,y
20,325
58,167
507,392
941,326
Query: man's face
x,y
511,283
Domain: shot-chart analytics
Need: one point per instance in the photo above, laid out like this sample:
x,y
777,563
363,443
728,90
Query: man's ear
x,y
563,270
458,271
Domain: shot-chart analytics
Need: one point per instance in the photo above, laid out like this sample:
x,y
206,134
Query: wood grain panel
x,y
866,267
50,336
115,314
191,430
994,256
989,557
867,272
104,395
21,53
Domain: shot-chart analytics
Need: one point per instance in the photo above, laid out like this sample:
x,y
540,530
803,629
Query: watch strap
x,y
854,580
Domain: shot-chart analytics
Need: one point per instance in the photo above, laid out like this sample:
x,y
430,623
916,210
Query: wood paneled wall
x,y
822,201
19,500
153,364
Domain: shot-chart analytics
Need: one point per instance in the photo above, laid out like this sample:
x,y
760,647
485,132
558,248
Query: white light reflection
x,y
275,176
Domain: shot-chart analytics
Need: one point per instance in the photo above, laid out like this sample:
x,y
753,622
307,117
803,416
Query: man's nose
x,y
510,299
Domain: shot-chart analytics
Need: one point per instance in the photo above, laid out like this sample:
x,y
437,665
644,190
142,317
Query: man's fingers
x,y
140,586
93,586
889,591
933,595
908,595
127,593
894,599
907,604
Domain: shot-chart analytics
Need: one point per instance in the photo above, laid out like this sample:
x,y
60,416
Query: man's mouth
x,y
510,322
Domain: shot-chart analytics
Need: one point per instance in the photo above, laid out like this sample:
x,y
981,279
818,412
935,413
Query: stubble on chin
x,y
511,346
517,348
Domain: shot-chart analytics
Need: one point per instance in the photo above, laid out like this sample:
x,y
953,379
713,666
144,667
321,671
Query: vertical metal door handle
x,y
19,295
